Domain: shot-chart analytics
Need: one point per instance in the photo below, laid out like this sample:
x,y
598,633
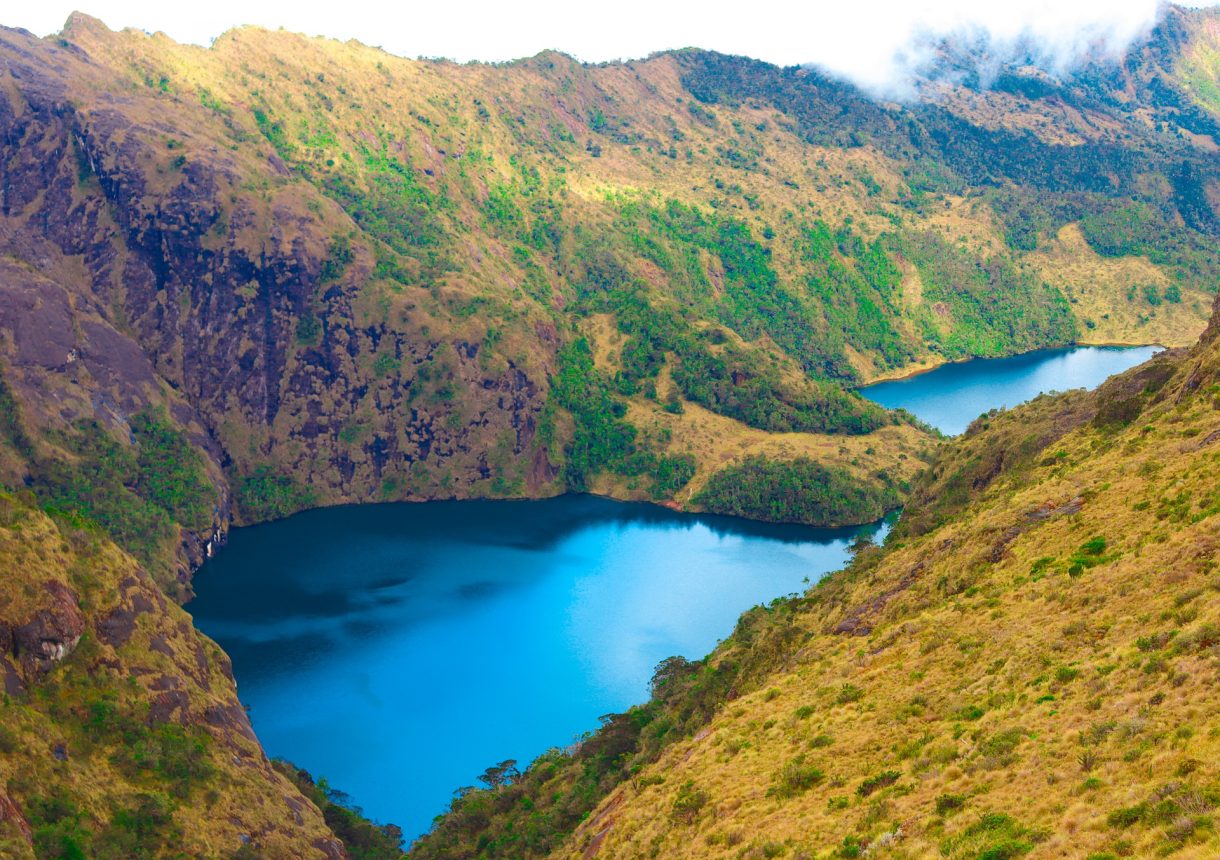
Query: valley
x,y
1025,668
413,621
614,329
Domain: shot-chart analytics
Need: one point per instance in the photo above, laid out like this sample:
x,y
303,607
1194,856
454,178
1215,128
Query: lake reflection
x,y
398,650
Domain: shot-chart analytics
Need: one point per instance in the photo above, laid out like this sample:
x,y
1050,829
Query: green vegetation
x,y
124,738
140,493
385,198
855,283
603,440
733,383
177,757
739,381
797,491
530,815
994,308
795,778
877,782
689,802
363,839
1140,229
995,836
171,471
895,641
265,495
605,252
144,828
338,255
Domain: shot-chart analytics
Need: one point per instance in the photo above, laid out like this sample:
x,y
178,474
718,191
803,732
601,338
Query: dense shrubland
x,y
798,491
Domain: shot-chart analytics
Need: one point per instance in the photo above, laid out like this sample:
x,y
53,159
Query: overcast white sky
x,y
871,42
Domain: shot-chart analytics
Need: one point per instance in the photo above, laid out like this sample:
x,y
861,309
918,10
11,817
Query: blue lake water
x,y
953,395
398,650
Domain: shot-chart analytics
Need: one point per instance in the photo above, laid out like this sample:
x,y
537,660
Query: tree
x,y
501,774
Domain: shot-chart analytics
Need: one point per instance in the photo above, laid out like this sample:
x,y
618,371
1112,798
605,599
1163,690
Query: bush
x,y
339,254
263,495
58,829
603,440
849,693
947,803
878,782
1127,816
363,839
970,713
998,750
672,474
795,778
171,471
688,803
137,493
995,836
309,329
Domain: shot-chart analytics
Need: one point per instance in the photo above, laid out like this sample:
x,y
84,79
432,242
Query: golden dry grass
x,y
1098,288
990,674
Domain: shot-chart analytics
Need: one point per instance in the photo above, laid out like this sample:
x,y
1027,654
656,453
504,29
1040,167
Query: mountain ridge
x,y
282,272
333,223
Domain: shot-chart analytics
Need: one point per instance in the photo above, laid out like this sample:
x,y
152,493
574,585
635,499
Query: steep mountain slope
x,y
345,276
1027,668
120,730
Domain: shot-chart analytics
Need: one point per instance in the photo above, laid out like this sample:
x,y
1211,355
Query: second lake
x,y
953,395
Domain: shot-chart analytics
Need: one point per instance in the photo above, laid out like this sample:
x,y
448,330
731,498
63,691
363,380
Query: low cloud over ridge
x,y
882,45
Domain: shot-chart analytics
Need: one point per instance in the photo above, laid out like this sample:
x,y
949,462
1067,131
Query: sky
x,y
875,43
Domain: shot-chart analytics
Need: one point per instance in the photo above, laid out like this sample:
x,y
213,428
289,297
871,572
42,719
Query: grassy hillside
x,y
1026,668
347,276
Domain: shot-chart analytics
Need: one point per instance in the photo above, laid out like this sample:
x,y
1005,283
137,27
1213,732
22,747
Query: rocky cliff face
x,y
130,280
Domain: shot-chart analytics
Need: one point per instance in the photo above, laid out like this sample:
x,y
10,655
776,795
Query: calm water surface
x,y
398,650
952,396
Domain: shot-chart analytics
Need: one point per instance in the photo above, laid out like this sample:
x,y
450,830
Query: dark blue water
x,y
952,396
398,650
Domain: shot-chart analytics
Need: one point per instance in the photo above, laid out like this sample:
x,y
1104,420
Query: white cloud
x,y
874,43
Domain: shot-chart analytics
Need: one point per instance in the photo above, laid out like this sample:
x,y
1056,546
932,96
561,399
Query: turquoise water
x,y
953,395
398,650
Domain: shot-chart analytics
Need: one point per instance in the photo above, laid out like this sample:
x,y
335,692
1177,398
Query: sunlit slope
x,y
120,728
1025,669
1033,675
